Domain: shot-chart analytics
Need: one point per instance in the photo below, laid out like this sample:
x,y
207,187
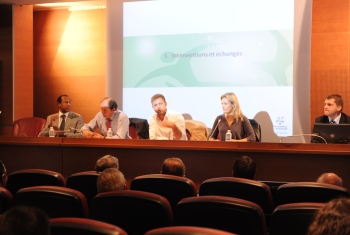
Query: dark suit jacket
x,y
74,120
344,119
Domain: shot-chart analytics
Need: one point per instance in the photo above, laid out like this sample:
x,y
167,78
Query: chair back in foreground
x,y
54,200
309,192
250,190
174,188
187,230
294,218
224,213
5,199
33,177
134,211
30,126
83,226
85,182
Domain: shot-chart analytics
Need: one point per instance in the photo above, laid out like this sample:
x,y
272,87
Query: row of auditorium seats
x,y
175,188
138,128
137,212
82,226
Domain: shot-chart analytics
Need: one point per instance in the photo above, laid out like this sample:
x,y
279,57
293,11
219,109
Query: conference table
x,y
287,162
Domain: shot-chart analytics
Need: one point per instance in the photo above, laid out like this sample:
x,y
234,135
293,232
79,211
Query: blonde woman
x,y
232,119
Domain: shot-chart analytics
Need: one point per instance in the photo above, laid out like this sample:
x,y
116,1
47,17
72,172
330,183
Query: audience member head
x,y
24,220
244,167
330,178
332,219
107,161
3,174
109,180
173,166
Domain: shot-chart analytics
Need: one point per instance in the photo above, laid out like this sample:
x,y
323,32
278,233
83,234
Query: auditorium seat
x,y
293,218
83,226
187,230
224,213
33,177
308,192
134,211
246,189
138,128
85,182
56,201
5,199
273,185
174,188
30,126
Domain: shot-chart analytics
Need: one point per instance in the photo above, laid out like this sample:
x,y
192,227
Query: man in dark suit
x,y
333,107
65,120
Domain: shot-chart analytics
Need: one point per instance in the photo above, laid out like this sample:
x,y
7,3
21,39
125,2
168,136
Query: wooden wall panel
x,y
23,61
6,70
329,54
69,58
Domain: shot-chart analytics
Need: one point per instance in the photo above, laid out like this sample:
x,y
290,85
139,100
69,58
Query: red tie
x,y
108,124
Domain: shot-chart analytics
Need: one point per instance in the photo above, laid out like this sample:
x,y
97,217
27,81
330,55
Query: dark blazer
x,y
344,119
74,120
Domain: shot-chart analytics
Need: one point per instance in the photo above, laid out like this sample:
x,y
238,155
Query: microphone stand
x,y
313,135
212,132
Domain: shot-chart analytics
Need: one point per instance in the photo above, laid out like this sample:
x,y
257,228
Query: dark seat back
x,y
250,190
224,213
187,230
134,211
294,218
308,192
54,200
33,177
5,199
257,129
85,182
30,126
273,185
139,128
83,226
174,188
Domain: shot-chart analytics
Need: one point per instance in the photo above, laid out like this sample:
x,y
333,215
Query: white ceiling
x,y
56,4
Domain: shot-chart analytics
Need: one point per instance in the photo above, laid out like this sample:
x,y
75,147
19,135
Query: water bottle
x,y
228,136
109,133
51,132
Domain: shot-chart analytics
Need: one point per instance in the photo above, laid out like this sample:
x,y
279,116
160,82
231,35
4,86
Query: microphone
x,y
212,132
42,132
73,130
70,130
299,135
